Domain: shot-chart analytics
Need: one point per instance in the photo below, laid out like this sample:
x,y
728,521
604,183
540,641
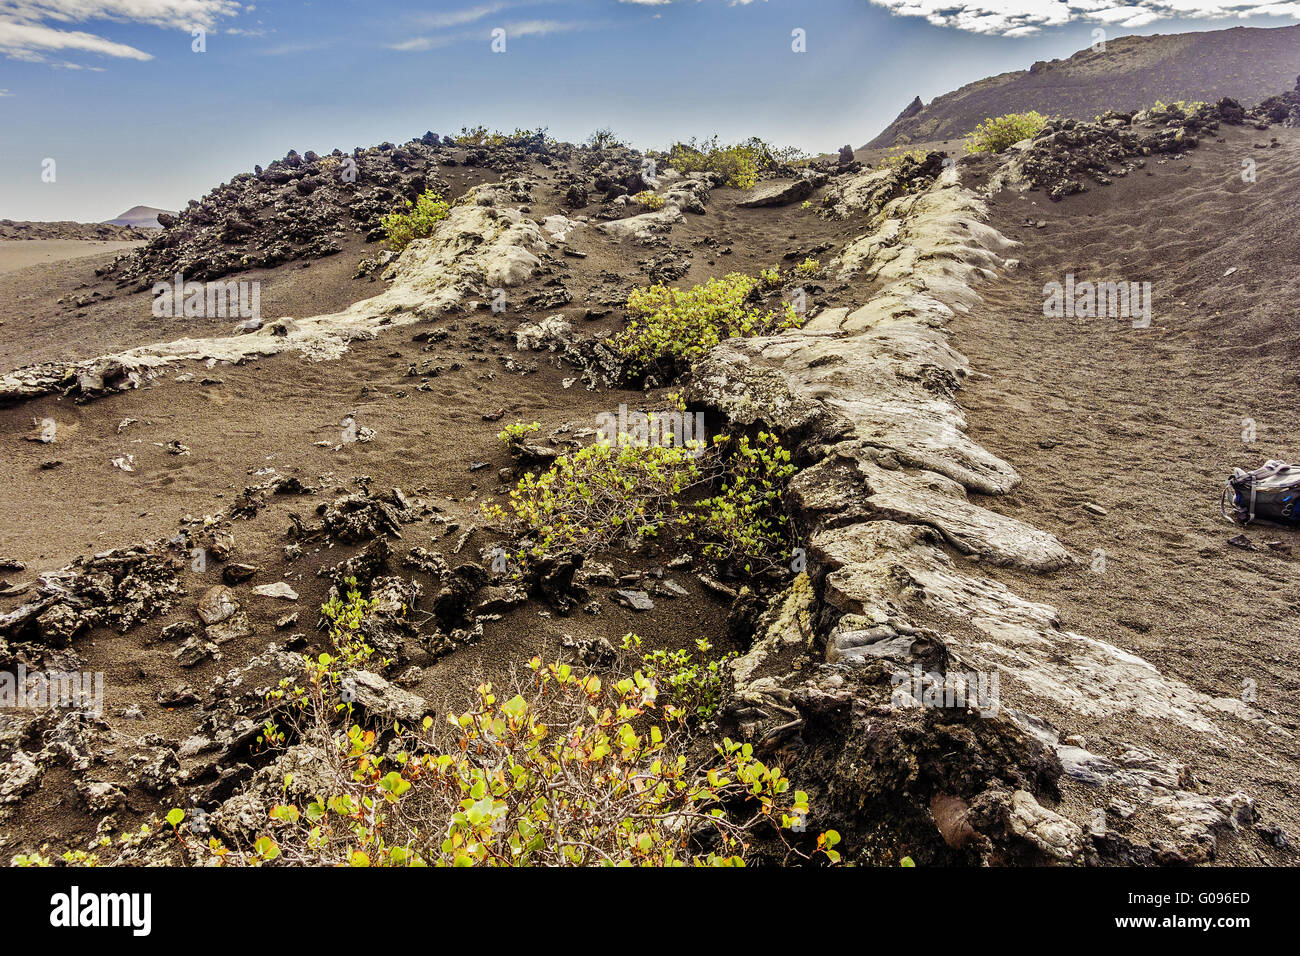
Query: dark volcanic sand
x,y
269,412
1148,424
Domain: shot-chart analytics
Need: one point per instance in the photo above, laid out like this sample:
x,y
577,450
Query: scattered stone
x,y
238,573
593,652
553,334
594,574
280,589
230,629
636,600
181,695
179,631
495,599
778,194
355,518
195,651
217,604
381,698
100,796
717,587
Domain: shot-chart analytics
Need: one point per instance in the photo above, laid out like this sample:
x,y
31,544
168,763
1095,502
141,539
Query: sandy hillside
x,y
354,433
435,395
1147,423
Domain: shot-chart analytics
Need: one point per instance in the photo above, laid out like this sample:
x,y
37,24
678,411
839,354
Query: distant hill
x,y
142,217
1246,63
99,231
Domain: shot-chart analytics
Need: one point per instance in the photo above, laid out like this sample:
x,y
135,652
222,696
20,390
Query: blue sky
x,y
113,92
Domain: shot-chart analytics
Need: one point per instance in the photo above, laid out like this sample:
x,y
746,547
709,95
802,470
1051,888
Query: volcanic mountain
x,y
141,217
1130,72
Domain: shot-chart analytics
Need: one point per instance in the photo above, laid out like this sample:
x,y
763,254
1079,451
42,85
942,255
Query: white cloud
x,y
541,28
515,30
31,29
1027,17
457,18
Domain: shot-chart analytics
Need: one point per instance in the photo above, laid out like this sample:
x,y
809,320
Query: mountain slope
x,y
1247,64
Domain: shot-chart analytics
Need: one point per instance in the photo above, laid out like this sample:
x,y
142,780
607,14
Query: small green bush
x,y
727,499
896,158
604,138
745,522
482,136
995,135
415,221
345,616
693,686
686,323
514,435
738,164
649,199
568,771
603,494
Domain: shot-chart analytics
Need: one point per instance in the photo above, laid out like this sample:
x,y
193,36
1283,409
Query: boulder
x,y
778,194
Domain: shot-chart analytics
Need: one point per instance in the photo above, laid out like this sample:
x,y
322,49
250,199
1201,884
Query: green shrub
x,y
515,435
604,138
649,199
745,523
686,323
995,135
626,492
482,136
896,158
603,494
738,164
415,221
569,771
345,616
694,687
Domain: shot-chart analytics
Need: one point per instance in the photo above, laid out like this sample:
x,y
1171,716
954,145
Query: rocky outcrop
x,y
932,720
118,588
779,193
95,231
484,243
1069,156
299,207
